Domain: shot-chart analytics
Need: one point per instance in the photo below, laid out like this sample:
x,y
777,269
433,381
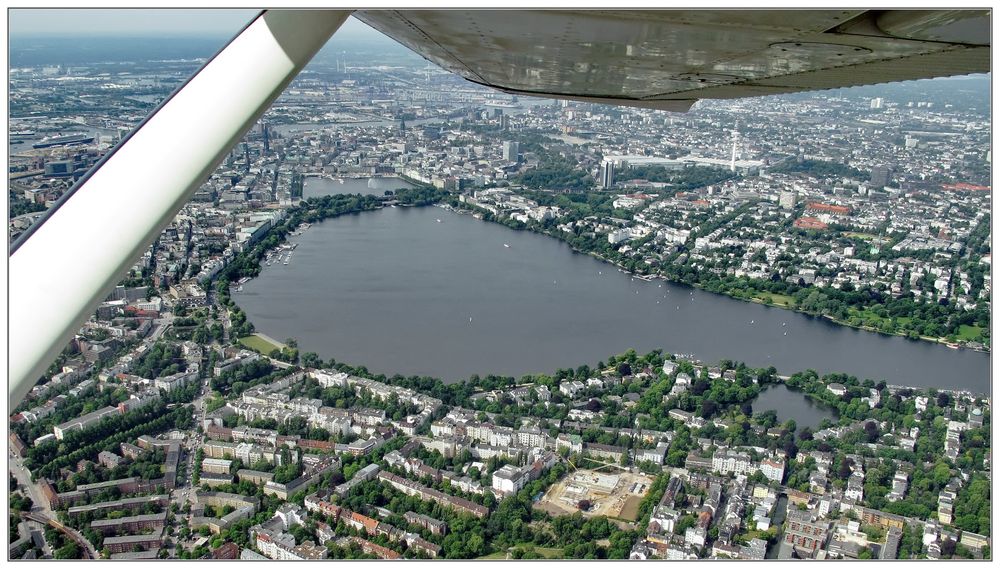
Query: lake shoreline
x,y
754,300
390,366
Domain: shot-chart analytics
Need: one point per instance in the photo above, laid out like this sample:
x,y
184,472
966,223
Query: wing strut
x,y
75,256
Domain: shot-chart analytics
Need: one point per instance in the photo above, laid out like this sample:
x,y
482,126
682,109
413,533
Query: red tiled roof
x,y
834,209
368,523
964,186
809,223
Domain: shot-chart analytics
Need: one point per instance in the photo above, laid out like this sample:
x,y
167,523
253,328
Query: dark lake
x,y
400,292
792,404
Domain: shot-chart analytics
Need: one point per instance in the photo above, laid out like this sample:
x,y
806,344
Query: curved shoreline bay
x,y
400,292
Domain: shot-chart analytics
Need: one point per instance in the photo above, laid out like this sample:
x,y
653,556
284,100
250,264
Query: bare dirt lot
x,y
611,494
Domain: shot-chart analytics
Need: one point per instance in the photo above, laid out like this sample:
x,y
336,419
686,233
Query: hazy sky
x,y
95,21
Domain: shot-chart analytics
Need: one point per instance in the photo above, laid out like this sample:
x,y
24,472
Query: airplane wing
x,y
67,262
668,59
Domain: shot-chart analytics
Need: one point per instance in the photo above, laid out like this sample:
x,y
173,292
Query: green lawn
x,y
255,342
777,299
549,552
594,464
970,333
865,236
966,333
546,552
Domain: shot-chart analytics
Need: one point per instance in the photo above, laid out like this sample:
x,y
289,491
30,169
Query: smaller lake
x,y
791,404
316,187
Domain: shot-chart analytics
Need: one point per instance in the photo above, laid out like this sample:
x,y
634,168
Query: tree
x,y
20,503
767,419
871,431
476,546
708,408
69,551
947,548
844,470
943,400
805,434
790,448
311,359
972,506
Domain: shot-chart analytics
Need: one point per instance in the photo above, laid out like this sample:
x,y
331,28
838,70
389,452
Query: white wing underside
x,y
668,59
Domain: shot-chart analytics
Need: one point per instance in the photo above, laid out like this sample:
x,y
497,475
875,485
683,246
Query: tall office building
x,y
510,150
787,199
876,103
607,175
880,176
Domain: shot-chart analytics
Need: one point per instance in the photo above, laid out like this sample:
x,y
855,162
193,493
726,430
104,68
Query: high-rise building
x,y
510,150
880,176
607,175
736,140
876,103
787,199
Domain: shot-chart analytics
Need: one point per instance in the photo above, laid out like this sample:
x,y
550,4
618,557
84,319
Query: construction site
x,y
593,493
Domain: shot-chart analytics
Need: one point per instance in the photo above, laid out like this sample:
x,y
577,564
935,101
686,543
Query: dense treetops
x,y
161,360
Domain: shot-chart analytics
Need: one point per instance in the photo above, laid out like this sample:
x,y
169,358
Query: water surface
x,y
400,292
792,404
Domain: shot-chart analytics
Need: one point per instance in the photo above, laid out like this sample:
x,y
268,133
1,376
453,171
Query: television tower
x,y
736,138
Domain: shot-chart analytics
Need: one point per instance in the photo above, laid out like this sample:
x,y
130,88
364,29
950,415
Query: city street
x,y
23,475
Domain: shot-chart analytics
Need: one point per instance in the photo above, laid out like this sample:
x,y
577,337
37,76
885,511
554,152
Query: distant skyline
x,y
143,21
